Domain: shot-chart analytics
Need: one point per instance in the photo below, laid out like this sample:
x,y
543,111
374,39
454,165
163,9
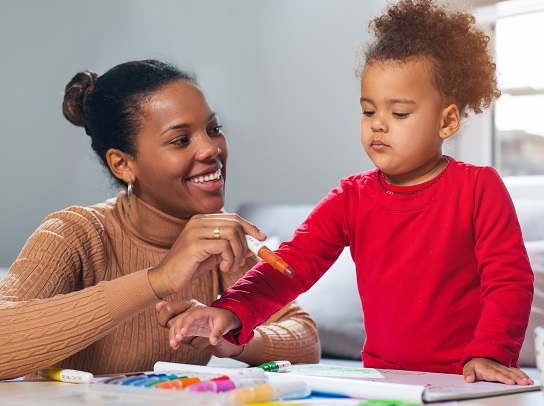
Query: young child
x,y
443,275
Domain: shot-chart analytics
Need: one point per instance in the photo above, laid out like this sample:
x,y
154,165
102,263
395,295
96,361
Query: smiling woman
x,y
92,278
180,166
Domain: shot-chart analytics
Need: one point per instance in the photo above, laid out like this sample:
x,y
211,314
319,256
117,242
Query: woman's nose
x,y
207,148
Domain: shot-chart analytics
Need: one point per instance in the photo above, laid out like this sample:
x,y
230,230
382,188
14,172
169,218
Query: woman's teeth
x,y
206,178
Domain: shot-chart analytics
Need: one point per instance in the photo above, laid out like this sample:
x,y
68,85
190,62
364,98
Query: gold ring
x,y
216,232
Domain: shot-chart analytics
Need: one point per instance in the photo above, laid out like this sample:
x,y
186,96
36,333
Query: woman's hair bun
x,y
75,96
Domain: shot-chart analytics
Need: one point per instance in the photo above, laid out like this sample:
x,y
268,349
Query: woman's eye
x,y
216,130
180,141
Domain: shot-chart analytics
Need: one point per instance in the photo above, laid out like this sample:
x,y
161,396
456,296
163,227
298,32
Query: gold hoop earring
x,y
130,189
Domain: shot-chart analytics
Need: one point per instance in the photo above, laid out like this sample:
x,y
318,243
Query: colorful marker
x,y
263,252
179,383
133,379
386,402
275,366
66,375
156,380
224,385
268,391
114,380
182,381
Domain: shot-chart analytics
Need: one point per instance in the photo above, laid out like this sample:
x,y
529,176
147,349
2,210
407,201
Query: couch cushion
x,y
535,250
335,305
530,214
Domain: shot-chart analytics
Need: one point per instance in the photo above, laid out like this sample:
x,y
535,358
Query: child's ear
x,y
450,121
120,164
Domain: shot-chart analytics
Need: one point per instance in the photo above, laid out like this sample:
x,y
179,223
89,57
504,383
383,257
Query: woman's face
x,y
180,164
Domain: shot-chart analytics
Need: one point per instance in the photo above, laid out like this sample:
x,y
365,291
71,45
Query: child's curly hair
x,y
458,51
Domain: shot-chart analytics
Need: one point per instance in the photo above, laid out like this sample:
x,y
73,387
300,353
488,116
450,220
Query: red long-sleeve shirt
x,y
442,270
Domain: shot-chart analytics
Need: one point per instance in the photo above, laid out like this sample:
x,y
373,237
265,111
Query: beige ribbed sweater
x,y
78,297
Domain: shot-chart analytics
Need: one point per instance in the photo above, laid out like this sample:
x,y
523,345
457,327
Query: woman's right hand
x,y
206,241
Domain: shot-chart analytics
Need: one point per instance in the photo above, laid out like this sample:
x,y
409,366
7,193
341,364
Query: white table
x,y
32,393
49,393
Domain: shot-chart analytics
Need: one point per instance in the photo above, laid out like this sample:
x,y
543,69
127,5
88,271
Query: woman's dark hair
x,y
457,50
109,106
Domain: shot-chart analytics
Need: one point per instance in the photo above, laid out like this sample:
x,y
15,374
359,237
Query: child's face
x,y
401,120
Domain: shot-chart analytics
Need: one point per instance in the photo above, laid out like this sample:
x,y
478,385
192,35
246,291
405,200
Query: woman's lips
x,y
209,182
208,177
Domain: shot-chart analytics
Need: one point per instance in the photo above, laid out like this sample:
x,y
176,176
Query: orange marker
x,y
259,249
179,383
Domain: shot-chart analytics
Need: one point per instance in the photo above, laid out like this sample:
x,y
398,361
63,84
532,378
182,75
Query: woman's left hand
x,y
168,311
484,369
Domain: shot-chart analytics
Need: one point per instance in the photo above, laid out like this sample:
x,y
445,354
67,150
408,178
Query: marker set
x,y
181,380
227,386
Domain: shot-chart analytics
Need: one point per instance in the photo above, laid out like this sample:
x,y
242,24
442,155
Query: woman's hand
x,y
166,313
206,241
484,369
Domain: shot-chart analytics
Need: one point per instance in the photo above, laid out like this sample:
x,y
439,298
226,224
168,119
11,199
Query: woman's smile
x,y
209,182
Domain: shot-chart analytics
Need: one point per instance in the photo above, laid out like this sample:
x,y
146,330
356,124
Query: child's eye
x,y
368,113
400,115
216,130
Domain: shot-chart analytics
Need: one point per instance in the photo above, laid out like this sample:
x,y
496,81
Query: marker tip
x,y
289,272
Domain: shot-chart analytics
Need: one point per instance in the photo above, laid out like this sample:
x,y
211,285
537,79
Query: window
x,y
518,128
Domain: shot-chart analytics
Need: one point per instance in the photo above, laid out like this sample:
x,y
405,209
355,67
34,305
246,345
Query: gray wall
x,y
280,74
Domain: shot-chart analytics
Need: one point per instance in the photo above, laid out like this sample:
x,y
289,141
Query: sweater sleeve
x,y
290,333
316,244
505,274
50,307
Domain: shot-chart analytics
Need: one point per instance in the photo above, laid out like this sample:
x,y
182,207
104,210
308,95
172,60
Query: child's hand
x,y
483,369
199,321
167,313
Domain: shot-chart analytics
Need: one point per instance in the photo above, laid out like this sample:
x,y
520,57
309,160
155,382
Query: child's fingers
x,y
173,334
207,322
215,336
179,328
469,374
517,376
220,326
492,371
167,311
502,377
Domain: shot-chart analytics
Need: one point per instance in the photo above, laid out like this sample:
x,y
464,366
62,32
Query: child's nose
x,y
378,124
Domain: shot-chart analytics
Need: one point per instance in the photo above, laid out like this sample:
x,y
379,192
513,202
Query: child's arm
x,y
483,369
316,244
288,334
505,277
